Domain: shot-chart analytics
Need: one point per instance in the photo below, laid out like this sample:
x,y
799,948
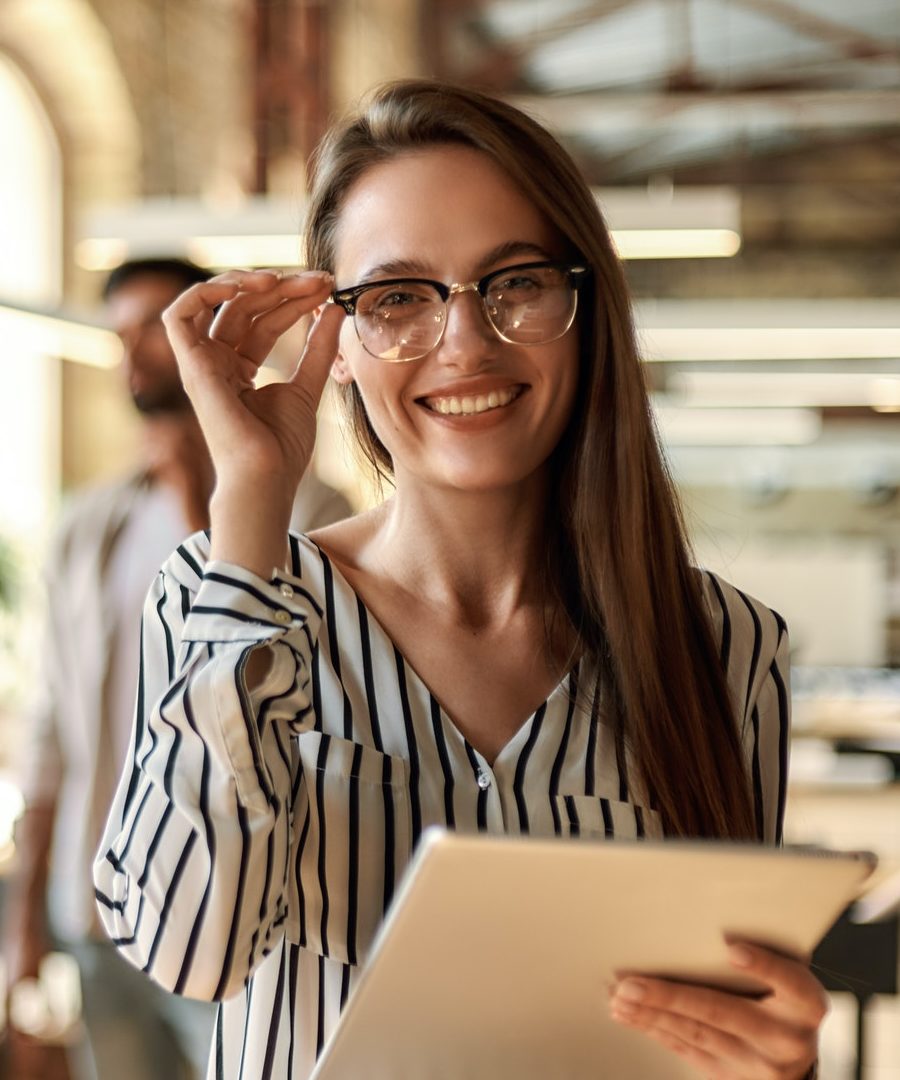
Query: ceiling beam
x,y
847,41
693,111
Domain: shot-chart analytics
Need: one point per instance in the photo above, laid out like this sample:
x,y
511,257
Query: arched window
x,y
30,273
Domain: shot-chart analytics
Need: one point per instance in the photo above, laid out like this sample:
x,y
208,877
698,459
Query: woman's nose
x,y
468,338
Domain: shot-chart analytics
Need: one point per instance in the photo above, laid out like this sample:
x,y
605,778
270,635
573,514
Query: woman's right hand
x,y
260,440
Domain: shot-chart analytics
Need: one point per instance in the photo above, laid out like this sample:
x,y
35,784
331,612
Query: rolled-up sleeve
x,y
191,873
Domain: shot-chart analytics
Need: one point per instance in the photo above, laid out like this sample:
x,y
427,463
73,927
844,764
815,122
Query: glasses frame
x,y
576,273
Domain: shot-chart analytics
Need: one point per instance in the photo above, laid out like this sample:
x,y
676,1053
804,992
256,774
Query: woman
x,y
513,642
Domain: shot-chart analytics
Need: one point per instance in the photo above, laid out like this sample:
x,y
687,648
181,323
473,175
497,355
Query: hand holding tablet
x,y
499,954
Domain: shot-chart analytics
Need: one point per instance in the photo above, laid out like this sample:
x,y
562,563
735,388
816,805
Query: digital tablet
x,y
495,958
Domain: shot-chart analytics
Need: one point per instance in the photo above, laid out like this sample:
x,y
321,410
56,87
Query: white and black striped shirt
x,y
257,837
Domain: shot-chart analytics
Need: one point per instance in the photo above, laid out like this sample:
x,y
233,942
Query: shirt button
x,y
282,617
286,591
483,780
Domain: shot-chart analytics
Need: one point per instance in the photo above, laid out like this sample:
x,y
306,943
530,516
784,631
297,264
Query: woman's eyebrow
x,y
392,268
513,249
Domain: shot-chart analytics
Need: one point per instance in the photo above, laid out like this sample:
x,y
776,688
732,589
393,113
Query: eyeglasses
x,y
403,319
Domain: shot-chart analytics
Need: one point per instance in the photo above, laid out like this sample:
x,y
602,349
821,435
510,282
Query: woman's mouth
x,y
472,404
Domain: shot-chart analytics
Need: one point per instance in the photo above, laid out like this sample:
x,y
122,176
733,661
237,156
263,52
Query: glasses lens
x,y
400,321
531,305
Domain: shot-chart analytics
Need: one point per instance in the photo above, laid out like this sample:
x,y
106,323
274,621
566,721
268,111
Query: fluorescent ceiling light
x,y
101,253
247,231
667,222
812,389
667,206
273,249
676,243
886,395
214,252
56,334
737,427
747,330
646,223
225,251
769,343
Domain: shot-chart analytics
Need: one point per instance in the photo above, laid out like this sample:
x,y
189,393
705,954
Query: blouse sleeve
x,y
191,872
755,653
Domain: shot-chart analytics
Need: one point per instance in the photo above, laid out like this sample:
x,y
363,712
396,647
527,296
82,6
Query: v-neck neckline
x,y
522,730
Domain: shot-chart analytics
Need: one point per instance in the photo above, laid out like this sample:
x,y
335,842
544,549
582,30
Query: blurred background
x,y
747,156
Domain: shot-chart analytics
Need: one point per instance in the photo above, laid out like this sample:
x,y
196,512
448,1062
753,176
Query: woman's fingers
x,y
190,315
252,322
696,1009
312,372
182,316
253,432
265,330
770,1054
773,1037
796,992
705,1045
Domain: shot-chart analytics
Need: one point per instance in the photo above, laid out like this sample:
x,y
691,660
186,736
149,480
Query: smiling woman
x,y
466,346
514,642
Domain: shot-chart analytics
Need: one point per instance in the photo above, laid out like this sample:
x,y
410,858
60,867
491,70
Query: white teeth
x,y
468,406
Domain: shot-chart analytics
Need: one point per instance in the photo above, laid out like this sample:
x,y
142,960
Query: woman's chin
x,y
480,478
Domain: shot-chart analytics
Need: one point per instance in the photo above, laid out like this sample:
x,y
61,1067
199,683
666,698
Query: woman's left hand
x,y
726,1036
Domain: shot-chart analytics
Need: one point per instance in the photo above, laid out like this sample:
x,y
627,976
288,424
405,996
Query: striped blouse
x,y
257,836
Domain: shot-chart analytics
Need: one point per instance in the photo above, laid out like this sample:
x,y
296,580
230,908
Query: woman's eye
x,y
519,281
391,299
396,299
517,284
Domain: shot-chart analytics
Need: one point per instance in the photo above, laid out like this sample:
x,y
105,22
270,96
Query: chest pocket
x,y
351,840
596,818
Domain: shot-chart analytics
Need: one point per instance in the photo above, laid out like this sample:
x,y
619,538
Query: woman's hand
x,y
260,440
726,1036
253,434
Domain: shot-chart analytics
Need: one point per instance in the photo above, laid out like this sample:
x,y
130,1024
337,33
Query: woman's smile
x,y
472,404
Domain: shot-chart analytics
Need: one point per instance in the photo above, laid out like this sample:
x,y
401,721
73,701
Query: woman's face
x,y
448,213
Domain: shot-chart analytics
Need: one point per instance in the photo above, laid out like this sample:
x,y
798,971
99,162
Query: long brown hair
x,y
617,561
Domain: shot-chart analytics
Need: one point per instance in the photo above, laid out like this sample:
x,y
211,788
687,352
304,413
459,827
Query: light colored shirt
x,y
257,837
154,527
103,559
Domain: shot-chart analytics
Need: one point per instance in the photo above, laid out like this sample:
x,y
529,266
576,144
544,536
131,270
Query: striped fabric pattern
x,y
257,838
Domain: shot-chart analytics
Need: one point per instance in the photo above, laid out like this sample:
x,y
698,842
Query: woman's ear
x,y
340,370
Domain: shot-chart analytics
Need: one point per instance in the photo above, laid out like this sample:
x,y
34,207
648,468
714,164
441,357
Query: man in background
x,y
111,541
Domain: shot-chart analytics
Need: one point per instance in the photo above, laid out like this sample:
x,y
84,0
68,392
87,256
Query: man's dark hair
x,y
182,271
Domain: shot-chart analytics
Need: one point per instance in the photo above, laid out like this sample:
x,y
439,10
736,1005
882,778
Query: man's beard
x,y
161,400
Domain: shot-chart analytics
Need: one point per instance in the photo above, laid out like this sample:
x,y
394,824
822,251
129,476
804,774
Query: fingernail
x,y
632,990
323,275
740,955
621,1011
